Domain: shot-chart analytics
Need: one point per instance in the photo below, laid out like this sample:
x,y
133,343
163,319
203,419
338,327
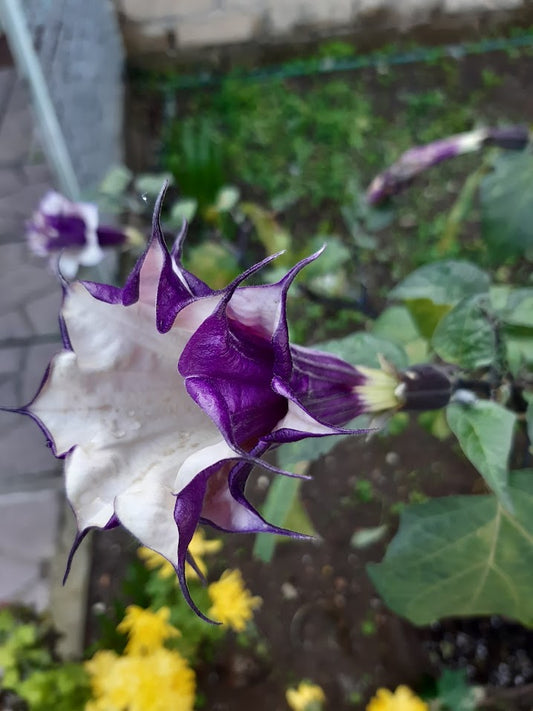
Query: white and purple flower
x,y
70,232
167,393
418,159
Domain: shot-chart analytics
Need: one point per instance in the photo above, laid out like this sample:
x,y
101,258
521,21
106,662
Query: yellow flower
x,y
403,699
146,630
158,681
198,547
306,697
233,605
154,561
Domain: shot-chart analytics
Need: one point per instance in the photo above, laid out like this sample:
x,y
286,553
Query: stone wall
x,y
188,25
80,48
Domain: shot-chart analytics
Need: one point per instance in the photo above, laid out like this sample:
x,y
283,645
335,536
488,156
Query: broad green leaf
x,y
485,433
518,310
445,282
426,315
519,349
363,349
506,205
280,498
462,556
396,324
465,336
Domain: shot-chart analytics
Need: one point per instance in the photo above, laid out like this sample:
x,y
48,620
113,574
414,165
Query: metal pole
x,y
20,42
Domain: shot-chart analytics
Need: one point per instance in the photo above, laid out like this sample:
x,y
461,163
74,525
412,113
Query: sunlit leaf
x,y
445,282
485,433
363,348
462,556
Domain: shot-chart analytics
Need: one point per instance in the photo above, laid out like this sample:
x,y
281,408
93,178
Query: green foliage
x,y
194,156
466,335
443,283
28,666
62,688
462,555
281,508
506,207
485,432
454,693
364,348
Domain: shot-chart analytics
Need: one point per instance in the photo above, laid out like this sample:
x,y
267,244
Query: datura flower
x,y
403,699
70,231
167,393
418,159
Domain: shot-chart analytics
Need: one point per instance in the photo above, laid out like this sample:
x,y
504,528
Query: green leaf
x,y
485,433
460,210
272,236
213,263
518,310
506,205
454,693
462,556
465,335
279,501
445,282
363,349
426,314
181,210
519,349
227,197
397,324
150,184
116,181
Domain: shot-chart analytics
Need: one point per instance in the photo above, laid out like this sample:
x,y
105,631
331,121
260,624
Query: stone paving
x,y
31,500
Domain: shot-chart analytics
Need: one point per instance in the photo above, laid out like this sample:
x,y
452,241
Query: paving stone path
x,y
31,499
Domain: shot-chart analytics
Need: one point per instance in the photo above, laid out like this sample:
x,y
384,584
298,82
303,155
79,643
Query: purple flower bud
x,y
167,393
418,159
69,232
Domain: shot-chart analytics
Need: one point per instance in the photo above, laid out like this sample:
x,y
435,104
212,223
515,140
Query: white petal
x,y
298,419
200,460
147,510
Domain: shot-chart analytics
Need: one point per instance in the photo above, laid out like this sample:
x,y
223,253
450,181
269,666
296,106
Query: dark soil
x,y
321,618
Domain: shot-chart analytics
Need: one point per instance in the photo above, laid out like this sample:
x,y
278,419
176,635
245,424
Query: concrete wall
x,y
185,25
80,49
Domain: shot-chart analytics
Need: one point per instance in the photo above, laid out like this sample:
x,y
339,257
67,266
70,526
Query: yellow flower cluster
x,y
147,677
306,697
146,630
199,547
403,699
233,605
